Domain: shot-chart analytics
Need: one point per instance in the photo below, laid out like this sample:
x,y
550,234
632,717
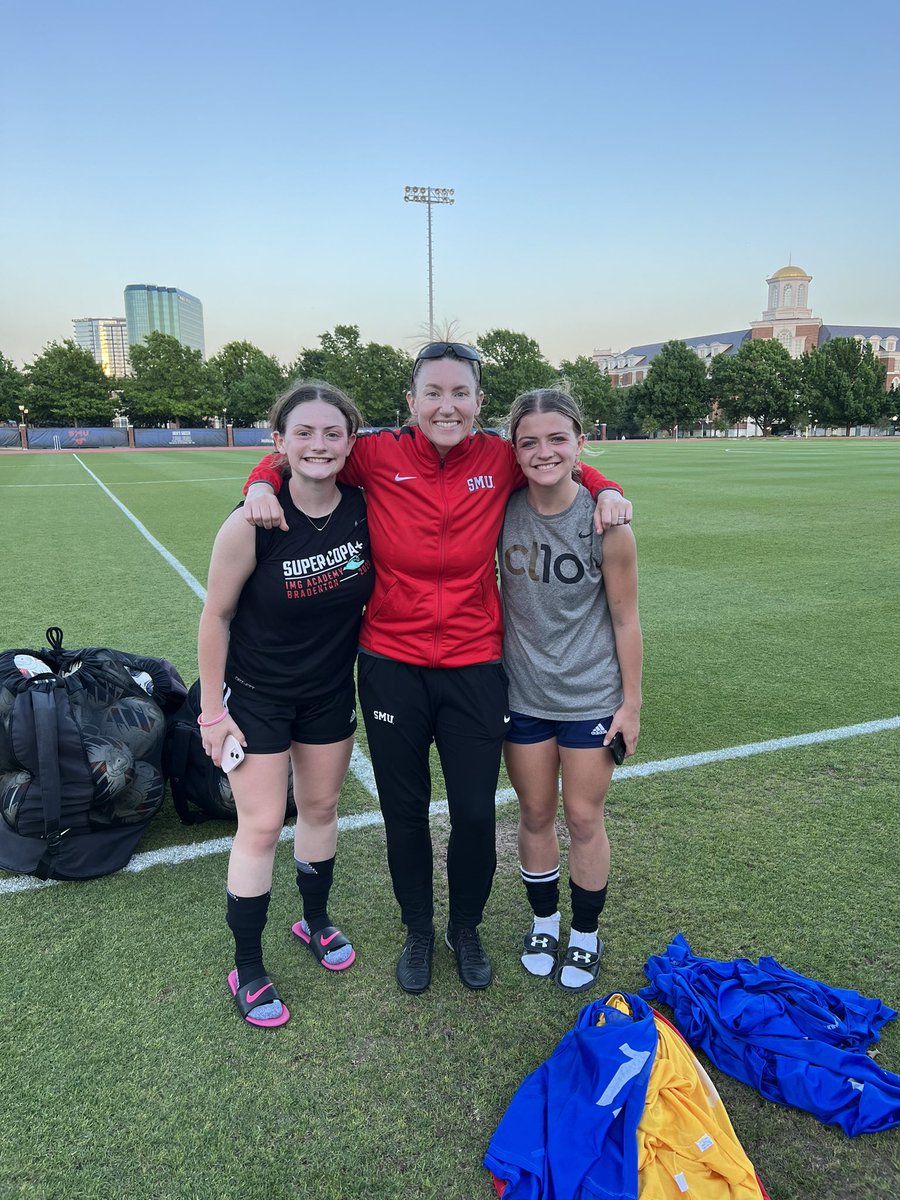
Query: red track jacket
x,y
434,525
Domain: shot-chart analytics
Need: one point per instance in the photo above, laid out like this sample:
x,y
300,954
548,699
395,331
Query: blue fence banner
x,y
75,439
253,437
9,436
171,438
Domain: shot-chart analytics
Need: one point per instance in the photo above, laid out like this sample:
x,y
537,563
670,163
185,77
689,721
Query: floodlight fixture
x,y
429,196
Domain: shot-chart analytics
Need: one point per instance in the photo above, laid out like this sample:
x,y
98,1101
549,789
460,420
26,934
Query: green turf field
x,y
769,577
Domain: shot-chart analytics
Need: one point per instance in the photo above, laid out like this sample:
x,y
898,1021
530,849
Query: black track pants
x,y
463,710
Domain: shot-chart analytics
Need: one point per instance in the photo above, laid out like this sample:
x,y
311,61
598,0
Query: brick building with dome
x,y
786,318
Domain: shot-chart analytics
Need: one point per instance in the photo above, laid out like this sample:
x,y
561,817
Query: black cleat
x,y
472,963
414,964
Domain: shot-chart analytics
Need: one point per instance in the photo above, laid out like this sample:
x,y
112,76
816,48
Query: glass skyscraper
x,y
150,309
106,338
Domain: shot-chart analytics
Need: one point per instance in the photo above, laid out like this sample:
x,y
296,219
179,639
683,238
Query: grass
x,y
768,584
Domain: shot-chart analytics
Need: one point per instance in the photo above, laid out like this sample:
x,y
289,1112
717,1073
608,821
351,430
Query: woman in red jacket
x,y
429,667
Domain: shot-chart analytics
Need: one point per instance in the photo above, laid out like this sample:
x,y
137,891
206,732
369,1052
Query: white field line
x,y
362,771
641,770
175,855
197,588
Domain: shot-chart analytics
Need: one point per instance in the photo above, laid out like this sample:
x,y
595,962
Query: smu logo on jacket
x,y
480,482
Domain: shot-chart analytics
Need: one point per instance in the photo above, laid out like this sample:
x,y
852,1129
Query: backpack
x,y
200,790
81,738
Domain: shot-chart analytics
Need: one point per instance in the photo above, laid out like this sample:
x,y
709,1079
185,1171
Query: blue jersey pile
x,y
796,1040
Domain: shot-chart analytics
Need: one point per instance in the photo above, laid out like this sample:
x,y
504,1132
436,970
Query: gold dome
x,y
791,273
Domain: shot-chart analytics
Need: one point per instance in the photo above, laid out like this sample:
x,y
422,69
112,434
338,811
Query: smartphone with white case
x,y
232,753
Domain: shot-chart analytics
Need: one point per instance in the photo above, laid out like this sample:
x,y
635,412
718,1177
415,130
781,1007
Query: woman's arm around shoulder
x,y
271,470
263,484
612,507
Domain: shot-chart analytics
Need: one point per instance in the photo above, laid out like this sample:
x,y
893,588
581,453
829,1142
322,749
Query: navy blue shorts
x,y
573,735
271,725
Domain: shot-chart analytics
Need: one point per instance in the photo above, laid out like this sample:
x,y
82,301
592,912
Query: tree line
x,y
840,384
837,385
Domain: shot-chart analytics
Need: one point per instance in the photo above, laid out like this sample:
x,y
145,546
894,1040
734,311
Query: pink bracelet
x,y
215,721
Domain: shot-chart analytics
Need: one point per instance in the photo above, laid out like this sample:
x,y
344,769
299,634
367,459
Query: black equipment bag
x,y
200,790
81,739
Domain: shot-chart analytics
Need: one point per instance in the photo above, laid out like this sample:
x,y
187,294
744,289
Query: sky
x,y
623,173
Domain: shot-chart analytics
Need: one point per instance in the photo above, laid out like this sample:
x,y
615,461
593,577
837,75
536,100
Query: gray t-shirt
x,y
559,649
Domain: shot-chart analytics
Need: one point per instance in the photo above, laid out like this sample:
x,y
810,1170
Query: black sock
x,y
542,888
586,907
314,881
246,919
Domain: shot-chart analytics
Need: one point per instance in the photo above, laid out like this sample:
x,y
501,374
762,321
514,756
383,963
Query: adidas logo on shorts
x,y
599,730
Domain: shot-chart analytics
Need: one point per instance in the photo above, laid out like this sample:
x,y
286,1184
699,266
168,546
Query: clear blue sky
x,y
624,172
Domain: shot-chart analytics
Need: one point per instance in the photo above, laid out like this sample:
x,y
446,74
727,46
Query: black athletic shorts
x,y
271,725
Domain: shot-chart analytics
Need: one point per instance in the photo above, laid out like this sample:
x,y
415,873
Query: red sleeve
x,y
595,482
268,470
356,466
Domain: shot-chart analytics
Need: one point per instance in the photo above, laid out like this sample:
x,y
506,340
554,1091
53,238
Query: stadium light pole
x,y
429,196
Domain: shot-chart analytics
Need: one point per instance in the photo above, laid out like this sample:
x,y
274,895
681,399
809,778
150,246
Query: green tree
x,y
675,391
248,380
170,382
66,386
375,375
843,384
12,389
761,381
591,389
511,363
627,416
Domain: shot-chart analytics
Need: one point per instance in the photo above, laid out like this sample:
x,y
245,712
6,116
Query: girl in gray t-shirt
x,y
572,648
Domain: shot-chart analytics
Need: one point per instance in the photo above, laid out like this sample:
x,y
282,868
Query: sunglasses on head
x,y
444,349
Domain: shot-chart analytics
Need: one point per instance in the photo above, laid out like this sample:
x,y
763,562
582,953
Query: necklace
x,y
319,528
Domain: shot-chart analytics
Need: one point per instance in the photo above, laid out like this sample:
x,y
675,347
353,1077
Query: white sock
x,y
542,964
572,977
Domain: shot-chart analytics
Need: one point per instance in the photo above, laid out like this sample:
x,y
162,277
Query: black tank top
x,y
294,634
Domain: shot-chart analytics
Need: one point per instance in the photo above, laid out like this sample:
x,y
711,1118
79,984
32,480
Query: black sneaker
x,y
472,963
414,964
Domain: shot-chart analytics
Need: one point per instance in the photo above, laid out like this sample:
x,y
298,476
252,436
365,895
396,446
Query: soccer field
x,y
769,606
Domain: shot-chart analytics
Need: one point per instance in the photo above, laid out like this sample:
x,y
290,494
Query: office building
x,y
107,339
152,309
